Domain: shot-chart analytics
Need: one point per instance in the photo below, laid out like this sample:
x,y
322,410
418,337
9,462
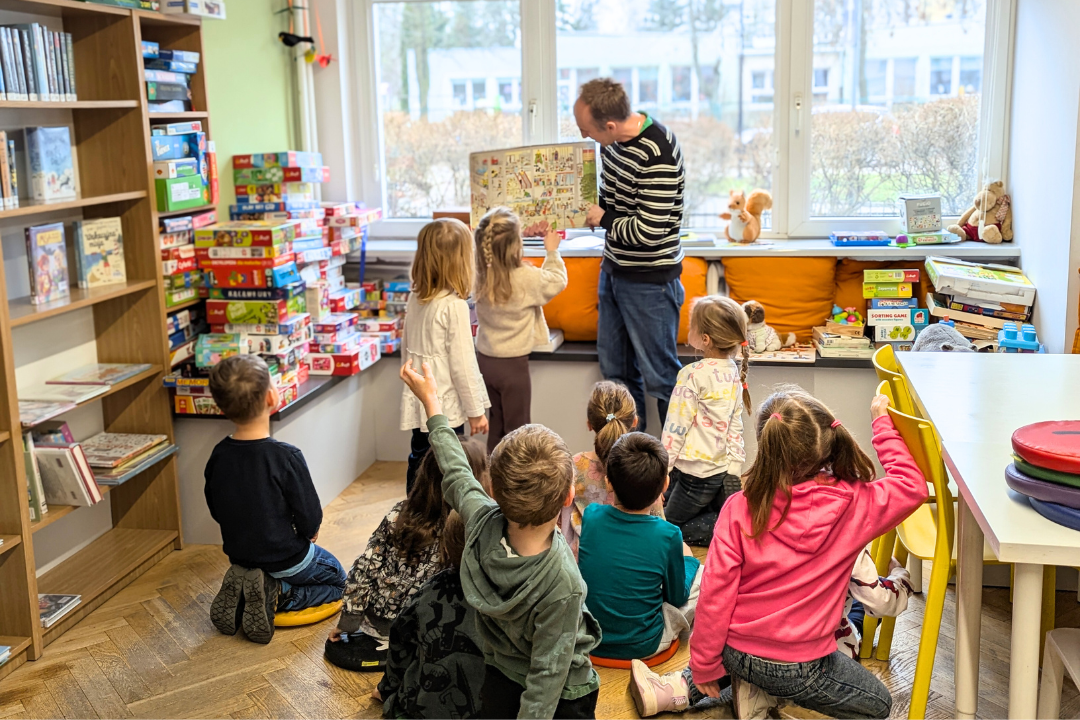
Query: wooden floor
x,y
151,652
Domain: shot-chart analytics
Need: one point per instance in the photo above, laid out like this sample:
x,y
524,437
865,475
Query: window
x,y
479,90
970,74
761,86
648,85
757,80
868,146
625,77
821,78
507,86
680,83
461,96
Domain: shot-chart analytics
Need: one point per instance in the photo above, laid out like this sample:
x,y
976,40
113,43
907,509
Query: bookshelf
x,y
111,135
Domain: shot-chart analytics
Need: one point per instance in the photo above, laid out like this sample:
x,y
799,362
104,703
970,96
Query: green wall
x,y
248,86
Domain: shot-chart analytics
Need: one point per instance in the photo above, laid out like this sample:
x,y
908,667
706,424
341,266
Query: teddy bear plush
x,y
760,337
744,215
990,217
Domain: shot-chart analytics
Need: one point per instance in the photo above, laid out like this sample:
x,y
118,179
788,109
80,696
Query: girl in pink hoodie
x,y
779,564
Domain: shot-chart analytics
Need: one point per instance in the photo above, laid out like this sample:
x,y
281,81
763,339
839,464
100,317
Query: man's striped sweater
x,y
641,192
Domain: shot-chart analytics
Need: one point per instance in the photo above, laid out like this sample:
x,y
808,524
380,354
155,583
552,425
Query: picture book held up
x,y
550,187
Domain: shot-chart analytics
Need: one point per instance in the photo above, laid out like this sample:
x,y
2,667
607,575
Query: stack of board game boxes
x,y
979,299
894,316
185,166
183,283
382,310
168,77
274,283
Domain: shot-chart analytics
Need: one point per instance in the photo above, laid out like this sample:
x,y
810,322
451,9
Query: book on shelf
x,y
99,246
46,253
122,473
844,352
108,450
66,475
9,181
53,607
35,412
52,170
100,374
39,507
13,173
67,394
53,432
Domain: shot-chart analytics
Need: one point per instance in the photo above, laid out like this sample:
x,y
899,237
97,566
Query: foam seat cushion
x,y
797,293
1060,514
1053,445
1041,489
307,616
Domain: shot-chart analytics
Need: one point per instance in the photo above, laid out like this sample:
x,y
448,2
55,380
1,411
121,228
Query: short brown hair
x,y
443,260
606,100
531,474
239,385
636,469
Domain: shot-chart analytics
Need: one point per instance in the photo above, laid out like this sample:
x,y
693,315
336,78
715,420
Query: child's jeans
x,y
321,582
418,449
693,504
834,685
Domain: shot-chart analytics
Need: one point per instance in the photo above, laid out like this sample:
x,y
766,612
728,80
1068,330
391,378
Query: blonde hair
x,y
443,260
723,321
531,474
498,252
797,437
611,413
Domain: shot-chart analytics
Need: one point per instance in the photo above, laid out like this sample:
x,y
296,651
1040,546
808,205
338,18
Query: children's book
x,y
107,450
52,171
63,393
35,412
38,506
46,251
53,432
66,476
100,374
122,473
53,607
99,246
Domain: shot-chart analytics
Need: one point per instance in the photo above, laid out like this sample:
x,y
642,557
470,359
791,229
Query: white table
x,y
976,401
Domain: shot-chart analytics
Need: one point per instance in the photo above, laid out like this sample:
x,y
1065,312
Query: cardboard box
x,y
886,290
895,333
179,193
891,276
891,303
897,316
992,283
239,275
245,234
289,158
186,405
339,364
176,168
249,312
182,128
281,174
293,293
920,213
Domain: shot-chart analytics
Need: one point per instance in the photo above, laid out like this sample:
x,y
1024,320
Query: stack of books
x,y
183,279
36,64
842,341
63,393
898,320
57,473
979,299
53,607
168,74
117,457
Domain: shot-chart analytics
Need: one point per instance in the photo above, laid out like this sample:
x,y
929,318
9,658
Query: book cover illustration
x,y
46,252
100,374
107,450
63,393
34,412
99,248
52,170
53,607
550,187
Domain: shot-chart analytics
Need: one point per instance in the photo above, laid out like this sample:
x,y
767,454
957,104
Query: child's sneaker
x,y
228,604
653,693
260,603
750,701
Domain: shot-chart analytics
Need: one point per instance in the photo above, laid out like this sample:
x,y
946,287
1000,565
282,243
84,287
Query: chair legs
x,y
881,551
924,666
1049,603
1053,672
914,567
888,625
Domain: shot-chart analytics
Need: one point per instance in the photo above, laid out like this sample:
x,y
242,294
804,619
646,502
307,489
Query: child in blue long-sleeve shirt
x,y
643,581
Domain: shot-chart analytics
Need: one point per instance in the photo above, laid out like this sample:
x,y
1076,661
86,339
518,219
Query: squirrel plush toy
x,y
744,215
761,337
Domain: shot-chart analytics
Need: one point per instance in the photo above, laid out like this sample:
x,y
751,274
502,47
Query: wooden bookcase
x,y
111,126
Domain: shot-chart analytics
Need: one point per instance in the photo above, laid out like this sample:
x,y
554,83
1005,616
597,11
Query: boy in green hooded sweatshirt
x,y
517,572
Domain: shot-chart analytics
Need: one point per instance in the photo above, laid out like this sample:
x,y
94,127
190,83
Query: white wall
x,y
1043,160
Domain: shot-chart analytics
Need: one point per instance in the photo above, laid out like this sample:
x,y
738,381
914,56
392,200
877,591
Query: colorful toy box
x,y
290,158
859,239
176,168
920,213
887,290
212,348
180,193
240,275
898,316
342,323
891,276
318,299
289,292
281,174
344,300
272,207
993,283
252,312
892,303
275,192
292,324
243,253
939,237
188,405
895,332
245,234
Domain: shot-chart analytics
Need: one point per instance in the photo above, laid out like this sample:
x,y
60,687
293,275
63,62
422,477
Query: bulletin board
x,y
550,187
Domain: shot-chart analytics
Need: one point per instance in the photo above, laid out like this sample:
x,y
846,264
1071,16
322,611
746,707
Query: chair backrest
x,y
886,367
923,443
885,362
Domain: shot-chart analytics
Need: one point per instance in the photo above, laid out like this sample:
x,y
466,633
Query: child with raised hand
x,y
510,296
260,492
780,563
704,425
644,580
610,414
517,571
402,554
438,331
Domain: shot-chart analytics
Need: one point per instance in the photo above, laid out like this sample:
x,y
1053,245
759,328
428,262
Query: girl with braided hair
x,y
510,296
703,428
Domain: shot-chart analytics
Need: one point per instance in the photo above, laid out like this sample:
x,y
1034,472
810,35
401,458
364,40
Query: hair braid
x,y
744,367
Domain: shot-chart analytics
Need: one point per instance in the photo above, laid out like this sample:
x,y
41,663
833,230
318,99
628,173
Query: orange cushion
x,y
575,309
797,292
694,272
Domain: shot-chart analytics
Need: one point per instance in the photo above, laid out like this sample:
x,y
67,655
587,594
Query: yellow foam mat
x,y
307,616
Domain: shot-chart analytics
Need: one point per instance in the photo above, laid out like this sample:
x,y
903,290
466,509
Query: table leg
x,y
1024,654
969,575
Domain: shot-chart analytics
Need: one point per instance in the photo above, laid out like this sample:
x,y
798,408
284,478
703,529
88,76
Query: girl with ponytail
x,y
510,296
610,414
703,429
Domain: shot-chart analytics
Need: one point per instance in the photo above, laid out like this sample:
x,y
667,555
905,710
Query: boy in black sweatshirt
x,y
260,493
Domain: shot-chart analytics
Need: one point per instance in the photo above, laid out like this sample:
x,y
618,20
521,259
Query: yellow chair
x,y
887,369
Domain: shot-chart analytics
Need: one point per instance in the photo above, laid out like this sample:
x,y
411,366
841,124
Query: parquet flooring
x,y
151,652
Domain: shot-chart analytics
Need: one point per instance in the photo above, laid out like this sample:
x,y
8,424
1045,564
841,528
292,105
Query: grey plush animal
x,y
942,338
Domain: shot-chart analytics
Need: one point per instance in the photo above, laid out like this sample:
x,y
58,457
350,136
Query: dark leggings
x,y
693,504
509,388
500,697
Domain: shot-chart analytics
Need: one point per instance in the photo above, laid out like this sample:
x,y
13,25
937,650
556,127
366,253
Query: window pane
x,y
821,78
434,62
711,57
878,134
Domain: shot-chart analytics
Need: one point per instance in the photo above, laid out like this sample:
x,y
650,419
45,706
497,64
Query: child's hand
x,y
552,240
423,387
478,425
316,536
893,564
712,688
879,407
335,635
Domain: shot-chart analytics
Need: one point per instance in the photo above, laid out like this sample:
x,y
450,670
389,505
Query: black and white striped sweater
x,y
641,192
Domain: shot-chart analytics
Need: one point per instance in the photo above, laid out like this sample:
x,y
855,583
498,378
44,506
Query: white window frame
x,y
792,101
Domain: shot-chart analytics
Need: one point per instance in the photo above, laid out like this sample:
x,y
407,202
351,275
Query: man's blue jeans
x,y
637,338
321,582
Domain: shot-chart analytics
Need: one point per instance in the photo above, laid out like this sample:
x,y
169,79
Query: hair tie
x,y
778,416
610,417
744,343
836,424
745,386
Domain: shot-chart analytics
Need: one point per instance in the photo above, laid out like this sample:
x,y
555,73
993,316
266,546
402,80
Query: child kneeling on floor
x,y
517,570
259,491
643,579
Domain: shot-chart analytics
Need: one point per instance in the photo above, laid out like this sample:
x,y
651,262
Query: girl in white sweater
x,y
510,296
438,332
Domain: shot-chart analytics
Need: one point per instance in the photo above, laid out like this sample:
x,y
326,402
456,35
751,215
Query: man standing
x,y
641,208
